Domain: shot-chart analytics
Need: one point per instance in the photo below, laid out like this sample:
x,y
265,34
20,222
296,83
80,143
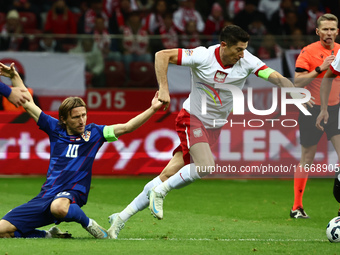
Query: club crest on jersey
x,y
198,132
86,135
188,52
220,76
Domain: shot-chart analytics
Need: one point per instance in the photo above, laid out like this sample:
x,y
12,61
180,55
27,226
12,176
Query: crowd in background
x,y
128,31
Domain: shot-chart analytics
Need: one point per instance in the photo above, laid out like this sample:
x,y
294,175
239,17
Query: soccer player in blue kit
x,y
73,148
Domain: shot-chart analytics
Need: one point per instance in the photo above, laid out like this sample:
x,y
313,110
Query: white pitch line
x,y
224,240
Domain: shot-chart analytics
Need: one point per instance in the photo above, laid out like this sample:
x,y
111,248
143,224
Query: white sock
x,y
90,223
48,234
141,201
127,212
182,178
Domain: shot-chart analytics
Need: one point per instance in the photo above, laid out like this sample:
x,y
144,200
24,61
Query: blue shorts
x,y
36,212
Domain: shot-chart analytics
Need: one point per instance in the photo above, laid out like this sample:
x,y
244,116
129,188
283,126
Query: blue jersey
x,y
71,157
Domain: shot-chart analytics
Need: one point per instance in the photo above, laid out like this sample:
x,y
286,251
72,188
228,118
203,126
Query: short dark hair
x,y
327,16
66,107
233,34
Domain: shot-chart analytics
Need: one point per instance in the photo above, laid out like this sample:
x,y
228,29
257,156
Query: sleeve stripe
x,y
179,57
261,68
334,71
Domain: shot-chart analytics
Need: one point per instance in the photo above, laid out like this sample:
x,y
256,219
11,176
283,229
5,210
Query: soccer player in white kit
x,y
228,63
325,89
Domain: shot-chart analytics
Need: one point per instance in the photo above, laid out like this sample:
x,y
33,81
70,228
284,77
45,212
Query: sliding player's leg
x,y
64,210
117,220
24,220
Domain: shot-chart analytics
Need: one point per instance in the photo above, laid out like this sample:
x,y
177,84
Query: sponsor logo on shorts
x,y
198,132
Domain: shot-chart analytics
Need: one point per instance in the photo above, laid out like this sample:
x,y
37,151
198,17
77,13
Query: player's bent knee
x,y
6,229
59,209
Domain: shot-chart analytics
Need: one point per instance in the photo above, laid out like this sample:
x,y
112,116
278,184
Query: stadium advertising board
x,y
255,148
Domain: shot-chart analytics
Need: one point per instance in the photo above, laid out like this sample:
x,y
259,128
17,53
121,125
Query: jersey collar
x,y
218,58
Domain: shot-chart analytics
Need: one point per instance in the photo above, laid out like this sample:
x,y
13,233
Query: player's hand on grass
x,y
155,103
322,119
7,71
18,96
164,97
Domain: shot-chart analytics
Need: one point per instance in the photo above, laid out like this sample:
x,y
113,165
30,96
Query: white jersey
x,y
207,71
335,65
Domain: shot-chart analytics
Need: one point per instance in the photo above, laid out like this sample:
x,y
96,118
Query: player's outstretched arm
x,y
162,60
325,90
30,106
281,81
139,120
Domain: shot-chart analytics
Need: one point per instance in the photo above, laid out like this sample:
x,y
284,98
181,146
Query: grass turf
x,y
208,217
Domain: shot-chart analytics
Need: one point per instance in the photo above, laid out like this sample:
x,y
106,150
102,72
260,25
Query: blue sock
x,y
76,214
32,234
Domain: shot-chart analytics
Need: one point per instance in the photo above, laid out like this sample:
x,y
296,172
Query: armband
x,y
264,74
109,134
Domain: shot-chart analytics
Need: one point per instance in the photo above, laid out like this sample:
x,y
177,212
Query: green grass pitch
x,y
207,217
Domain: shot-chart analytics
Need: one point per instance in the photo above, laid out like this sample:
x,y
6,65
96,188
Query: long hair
x,y
66,107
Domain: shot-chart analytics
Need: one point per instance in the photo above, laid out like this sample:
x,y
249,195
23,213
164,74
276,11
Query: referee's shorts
x,y
309,134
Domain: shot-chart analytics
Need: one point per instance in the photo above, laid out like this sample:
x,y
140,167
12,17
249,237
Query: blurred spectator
x,y
48,43
154,20
119,17
87,21
60,19
144,5
11,38
245,17
215,21
135,41
29,6
257,27
291,23
94,60
190,39
110,6
297,41
74,5
185,13
269,48
281,19
204,7
169,36
312,11
269,7
103,40
234,7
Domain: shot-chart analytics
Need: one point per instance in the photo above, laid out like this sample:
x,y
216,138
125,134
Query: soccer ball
x,y
333,230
